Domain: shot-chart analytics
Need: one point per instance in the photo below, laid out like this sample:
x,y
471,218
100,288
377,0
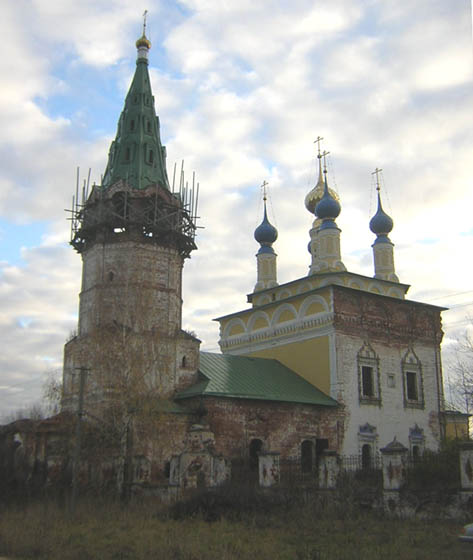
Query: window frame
x,y
411,365
367,358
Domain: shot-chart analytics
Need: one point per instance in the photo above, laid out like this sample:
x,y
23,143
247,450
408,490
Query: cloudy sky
x,y
242,89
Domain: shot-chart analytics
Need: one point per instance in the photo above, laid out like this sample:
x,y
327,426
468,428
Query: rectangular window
x,y
411,386
367,381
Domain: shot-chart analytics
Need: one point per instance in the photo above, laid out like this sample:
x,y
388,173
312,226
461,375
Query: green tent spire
x,y
136,155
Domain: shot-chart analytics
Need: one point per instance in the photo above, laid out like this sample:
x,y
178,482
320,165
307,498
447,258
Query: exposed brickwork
x,y
282,427
386,319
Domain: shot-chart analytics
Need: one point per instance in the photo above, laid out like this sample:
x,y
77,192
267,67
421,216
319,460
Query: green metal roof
x,y
136,155
242,377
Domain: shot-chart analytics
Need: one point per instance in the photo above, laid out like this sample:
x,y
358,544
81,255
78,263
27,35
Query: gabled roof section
x,y
241,377
136,155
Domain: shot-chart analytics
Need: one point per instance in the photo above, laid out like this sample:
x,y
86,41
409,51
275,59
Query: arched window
x,y
415,453
127,154
368,375
151,156
184,362
307,456
366,456
132,125
256,445
412,380
148,127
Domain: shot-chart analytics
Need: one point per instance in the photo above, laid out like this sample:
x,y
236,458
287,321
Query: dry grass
x,y
109,531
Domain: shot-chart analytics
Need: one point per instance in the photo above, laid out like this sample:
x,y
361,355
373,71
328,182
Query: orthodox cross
x,y
145,13
377,172
317,141
263,186
324,155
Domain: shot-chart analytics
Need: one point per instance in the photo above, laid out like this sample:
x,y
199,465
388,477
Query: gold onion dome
x,y
143,41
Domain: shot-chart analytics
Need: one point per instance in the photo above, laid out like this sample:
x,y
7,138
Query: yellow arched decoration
x,y
237,328
286,315
260,323
314,308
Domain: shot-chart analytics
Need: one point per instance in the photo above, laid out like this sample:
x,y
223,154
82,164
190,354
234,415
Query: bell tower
x,y
133,232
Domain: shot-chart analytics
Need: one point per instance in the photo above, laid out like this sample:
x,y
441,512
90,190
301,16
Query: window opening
x,y
132,125
411,385
256,445
307,456
367,381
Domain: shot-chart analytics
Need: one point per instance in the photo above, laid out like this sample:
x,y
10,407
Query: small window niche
x,y
416,442
412,380
367,445
368,375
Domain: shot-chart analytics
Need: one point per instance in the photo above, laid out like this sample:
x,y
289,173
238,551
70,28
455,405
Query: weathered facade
x,y
356,338
335,361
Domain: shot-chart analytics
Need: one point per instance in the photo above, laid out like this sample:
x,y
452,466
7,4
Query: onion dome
x,y
328,208
266,234
381,223
315,195
143,41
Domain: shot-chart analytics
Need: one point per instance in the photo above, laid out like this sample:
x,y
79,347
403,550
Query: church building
x,y
333,360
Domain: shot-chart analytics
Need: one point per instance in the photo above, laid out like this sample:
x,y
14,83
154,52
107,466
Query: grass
x,y
109,531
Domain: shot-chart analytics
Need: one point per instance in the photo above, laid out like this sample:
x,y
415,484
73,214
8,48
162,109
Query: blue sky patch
x,y
14,236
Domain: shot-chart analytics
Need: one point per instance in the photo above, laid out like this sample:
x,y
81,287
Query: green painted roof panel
x,y
243,377
136,155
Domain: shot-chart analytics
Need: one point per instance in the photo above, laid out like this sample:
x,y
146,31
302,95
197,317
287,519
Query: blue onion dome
x,y
314,196
327,207
381,223
266,234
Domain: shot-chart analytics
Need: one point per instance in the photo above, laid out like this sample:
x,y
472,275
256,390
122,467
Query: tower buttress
x,y
383,248
266,234
328,256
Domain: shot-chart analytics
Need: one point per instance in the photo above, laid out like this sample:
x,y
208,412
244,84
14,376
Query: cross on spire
x,y
376,172
263,186
145,13
324,155
317,141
